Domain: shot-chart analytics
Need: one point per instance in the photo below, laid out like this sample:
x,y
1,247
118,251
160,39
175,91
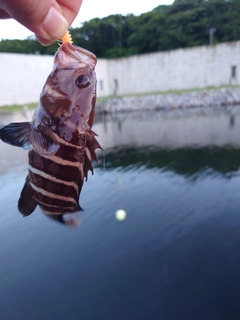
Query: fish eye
x,y
82,81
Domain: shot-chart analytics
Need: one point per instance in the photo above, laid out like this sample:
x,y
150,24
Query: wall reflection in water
x,y
186,143
175,129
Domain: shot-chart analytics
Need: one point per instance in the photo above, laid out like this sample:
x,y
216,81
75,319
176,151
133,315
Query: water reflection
x,y
186,143
186,161
171,130
174,178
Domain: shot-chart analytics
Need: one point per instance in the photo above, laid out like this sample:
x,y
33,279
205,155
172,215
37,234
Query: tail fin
x,y
69,219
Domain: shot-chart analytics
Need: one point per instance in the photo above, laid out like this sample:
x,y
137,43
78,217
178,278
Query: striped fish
x,y
61,145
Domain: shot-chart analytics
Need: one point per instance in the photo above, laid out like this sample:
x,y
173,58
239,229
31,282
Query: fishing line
x,y
103,151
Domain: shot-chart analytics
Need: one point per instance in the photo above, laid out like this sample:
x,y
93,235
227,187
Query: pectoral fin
x,y
43,141
17,134
21,134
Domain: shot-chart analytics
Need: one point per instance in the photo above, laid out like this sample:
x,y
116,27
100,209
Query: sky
x,y
10,29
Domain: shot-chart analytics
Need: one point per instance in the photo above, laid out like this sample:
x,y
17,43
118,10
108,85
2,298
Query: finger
x,y
48,19
70,9
43,41
4,14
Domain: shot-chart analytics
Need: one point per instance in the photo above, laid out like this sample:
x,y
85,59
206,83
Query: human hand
x,y
48,19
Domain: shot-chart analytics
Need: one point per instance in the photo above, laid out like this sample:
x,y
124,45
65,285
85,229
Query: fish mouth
x,y
87,53
69,56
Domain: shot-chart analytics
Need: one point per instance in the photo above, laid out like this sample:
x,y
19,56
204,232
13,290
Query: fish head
x,y
70,89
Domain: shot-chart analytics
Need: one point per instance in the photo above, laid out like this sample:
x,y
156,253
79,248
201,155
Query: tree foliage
x,y
185,23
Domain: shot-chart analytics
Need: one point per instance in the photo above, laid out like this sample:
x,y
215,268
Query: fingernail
x,y
54,25
43,41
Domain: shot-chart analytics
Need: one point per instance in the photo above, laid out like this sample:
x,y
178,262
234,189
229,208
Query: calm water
x,y
175,256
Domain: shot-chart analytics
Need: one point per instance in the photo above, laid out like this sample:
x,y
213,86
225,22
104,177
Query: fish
x,y
60,142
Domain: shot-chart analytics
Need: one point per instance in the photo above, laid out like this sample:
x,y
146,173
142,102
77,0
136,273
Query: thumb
x,y
53,27
44,17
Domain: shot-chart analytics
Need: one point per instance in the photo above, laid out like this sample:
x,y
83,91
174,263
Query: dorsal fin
x,y
90,155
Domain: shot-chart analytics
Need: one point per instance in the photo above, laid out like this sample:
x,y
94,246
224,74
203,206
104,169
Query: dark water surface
x,y
175,256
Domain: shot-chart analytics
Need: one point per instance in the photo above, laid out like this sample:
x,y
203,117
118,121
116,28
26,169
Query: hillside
x,y
185,23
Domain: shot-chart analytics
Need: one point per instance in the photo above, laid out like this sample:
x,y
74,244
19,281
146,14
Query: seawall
x,y
22,76
225,97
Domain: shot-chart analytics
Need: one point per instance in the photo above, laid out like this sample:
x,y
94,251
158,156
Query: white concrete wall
x,y
22,76
197,67
103,88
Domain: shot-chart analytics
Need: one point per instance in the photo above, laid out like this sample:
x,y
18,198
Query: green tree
x,y
185,23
